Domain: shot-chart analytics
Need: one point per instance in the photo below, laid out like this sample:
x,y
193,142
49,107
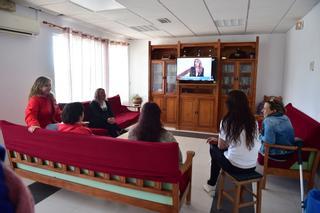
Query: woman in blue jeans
x,y
235,150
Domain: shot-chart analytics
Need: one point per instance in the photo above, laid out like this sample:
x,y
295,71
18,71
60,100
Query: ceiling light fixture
x,y
98,5
229,22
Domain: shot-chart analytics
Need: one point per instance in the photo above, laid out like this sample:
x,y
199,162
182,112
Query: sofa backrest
x,y
147,160
115,104
304,126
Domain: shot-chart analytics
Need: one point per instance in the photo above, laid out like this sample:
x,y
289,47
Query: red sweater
x,y
41,111
74,128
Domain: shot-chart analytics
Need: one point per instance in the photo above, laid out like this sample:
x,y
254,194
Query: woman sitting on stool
x,y
235,150
101,115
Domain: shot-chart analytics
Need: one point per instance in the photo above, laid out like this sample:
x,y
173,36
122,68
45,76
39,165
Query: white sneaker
x,y
211,190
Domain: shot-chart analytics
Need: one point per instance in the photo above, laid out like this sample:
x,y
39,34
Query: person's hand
x,y
212,140
111,120
33,128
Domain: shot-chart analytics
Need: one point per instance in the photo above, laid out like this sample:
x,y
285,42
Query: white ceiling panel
x,y
202,24
90,17
298,10
267,13
157,34
232,9
66,8
152,10
42,2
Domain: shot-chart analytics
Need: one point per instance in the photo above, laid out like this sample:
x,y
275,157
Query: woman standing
x,y
101,115
42,109
235,150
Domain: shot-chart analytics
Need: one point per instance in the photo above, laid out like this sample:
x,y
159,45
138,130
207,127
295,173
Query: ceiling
x,y
139,18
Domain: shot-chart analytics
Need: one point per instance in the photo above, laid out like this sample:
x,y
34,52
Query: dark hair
x,y
239,117
149,126
71,113
276,105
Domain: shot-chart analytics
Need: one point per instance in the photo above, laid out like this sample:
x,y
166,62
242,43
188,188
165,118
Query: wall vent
x,y
144,28
229,22
164,20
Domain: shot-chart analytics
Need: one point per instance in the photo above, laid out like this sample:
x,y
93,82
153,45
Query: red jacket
x,y
41,111
74,128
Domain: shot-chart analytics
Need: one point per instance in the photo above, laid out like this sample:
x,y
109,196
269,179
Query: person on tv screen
x,y
196,70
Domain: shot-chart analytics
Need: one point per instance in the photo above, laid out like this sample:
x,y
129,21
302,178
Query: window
x,y
80,67
119,71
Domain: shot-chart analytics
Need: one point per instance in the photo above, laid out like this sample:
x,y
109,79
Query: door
x,y
205,113
171,76
245,73
188,108
157,76
159,100
228,77
171,109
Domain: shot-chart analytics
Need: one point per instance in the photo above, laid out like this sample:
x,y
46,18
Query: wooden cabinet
x,y
197,107
201,105
238,71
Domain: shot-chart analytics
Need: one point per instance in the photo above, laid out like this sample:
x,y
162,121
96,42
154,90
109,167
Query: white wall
x,y
301,86
23,59
270,64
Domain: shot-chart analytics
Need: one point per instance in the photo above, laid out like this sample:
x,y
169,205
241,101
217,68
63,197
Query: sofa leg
x,y
188,199
264,180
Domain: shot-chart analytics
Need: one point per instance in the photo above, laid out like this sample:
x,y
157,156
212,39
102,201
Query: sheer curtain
x,y
119,71
80,66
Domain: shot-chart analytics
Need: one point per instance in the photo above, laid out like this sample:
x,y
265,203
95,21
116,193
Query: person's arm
x,y
171,138
184,73
268,133
31,114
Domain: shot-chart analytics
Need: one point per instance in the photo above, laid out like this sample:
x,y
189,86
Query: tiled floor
x,y
282,194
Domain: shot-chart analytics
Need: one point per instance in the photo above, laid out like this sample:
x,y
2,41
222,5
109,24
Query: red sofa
x,y
308,130
144,174
124,117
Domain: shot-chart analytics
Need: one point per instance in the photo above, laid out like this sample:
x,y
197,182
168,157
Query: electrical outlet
x,y
311,66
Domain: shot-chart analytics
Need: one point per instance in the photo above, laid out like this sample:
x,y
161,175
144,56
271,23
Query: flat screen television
x,y
196,69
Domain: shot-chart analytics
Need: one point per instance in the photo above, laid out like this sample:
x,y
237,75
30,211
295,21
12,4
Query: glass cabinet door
x,y
157,77
228,72
171,69
245,77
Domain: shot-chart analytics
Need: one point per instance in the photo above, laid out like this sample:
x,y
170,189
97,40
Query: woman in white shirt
x,y
235,150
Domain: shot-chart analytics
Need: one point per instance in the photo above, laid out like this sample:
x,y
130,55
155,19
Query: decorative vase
x,y
136,100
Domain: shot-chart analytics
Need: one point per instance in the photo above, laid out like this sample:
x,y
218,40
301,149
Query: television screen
x,y
196,69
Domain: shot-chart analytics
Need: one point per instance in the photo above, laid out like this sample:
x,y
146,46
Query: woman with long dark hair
x,y
235,150
150,128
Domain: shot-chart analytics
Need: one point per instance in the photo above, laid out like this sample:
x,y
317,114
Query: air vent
x,y
164,20
229,22
145,28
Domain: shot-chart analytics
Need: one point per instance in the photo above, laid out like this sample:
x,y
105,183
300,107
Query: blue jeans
x,y
53,127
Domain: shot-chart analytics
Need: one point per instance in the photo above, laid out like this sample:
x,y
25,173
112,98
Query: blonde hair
x,y
37,85
96,93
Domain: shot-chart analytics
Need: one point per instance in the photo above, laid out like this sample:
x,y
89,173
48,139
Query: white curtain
x,y
80,66
119,71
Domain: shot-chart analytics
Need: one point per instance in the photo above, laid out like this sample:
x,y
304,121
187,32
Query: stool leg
x,y
220,189
264,180
259,190
237,200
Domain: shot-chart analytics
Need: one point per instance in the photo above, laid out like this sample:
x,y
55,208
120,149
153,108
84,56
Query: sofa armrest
x,y
188,163
292,148
136,108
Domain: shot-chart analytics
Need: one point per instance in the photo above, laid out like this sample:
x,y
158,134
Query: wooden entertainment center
x,y
199,106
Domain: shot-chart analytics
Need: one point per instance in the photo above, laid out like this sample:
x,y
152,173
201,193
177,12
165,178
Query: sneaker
x,y
211,190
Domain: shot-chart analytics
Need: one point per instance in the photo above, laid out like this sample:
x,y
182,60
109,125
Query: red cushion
x,y
86,109
304,127
127,119
147,160
99,131
115,104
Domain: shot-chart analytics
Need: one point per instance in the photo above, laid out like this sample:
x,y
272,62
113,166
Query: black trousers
x,y
113,129
219,161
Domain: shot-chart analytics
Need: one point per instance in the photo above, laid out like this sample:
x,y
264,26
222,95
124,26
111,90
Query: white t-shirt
x,y
238,154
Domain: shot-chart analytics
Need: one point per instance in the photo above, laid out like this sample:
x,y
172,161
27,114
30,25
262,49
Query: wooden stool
x,y
240,180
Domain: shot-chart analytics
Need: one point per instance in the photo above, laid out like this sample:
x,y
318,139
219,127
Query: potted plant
x,y
136,100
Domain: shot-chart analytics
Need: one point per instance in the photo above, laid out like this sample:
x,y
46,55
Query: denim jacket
x,y
277,129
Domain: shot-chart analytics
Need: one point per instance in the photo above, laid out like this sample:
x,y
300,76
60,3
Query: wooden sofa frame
x,y
22,163
307,174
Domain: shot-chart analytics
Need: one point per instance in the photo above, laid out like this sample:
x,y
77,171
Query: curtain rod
x,y
84,34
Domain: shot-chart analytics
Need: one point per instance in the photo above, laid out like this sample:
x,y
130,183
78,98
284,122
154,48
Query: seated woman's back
x,y
149,127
